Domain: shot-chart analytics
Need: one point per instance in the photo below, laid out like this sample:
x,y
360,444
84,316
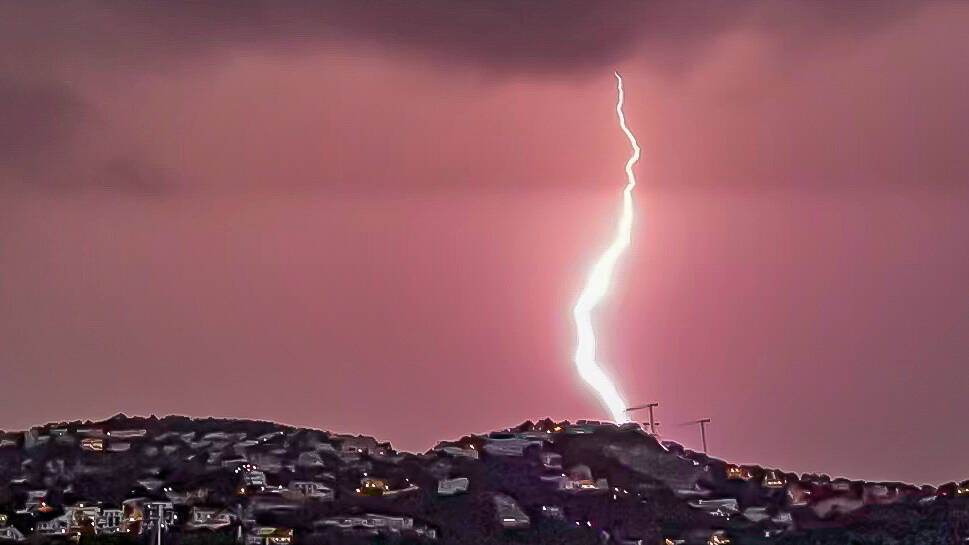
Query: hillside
x,y
225,481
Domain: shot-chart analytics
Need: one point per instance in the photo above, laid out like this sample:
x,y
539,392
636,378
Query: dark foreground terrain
x,y
176,480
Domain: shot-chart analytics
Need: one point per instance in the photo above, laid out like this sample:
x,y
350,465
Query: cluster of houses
x,y
274,473
249,473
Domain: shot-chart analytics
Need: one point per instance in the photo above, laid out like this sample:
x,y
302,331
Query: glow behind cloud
x,y
597,286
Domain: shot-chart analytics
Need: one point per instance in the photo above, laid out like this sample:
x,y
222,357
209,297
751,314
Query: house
x,y
509,514
370,486
783,518
119,446
469,452
581,429
82,519
267,437
151,483
313,490
268,535
10,533
156,512
374,524
209,518
241,446
54,526
841,485
773,479
553,512
558,480
132,518
34,438
110,521
309,459
250,475
450,487
92,444
36,500
266,461
580,479
836,505
586,485
720,507
536,435
359,444
10,440
127,434
188,496
233,463
166,436
756,514
551,460
508,444
798,495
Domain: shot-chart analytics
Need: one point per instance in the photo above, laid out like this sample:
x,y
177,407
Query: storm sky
x,y
375,218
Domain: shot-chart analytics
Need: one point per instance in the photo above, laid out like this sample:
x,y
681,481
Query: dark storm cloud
x,y
60,43
548,36
35,118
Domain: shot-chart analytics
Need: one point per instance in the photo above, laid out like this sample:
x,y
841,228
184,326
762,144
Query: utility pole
x,y
703,431
652,422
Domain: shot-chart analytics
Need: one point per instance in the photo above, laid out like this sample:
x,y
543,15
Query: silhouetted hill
x,y
127,479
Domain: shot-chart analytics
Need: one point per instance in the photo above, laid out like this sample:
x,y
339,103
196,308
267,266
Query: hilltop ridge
x,y
133,478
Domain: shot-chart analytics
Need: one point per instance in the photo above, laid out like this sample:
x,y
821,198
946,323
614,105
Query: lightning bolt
x,y
597,286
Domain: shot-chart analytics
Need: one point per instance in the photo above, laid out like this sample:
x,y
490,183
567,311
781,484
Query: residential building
x,y
450,487
92,444
509,514
127,434
268,535
721,507
210,518
110,521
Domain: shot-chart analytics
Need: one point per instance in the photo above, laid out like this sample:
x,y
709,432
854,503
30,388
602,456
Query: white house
x,y
310,459
53,526
127,434
383,523
253,477
450,487
553,512
359,444
510,515
508,444
110,520
756,514
118,446
209,518
268,535
458,451
720,507
552,460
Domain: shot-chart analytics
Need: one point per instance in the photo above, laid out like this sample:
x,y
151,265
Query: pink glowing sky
x,y
377,222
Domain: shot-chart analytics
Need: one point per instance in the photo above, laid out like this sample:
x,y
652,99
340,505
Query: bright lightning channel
x,y
597,286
